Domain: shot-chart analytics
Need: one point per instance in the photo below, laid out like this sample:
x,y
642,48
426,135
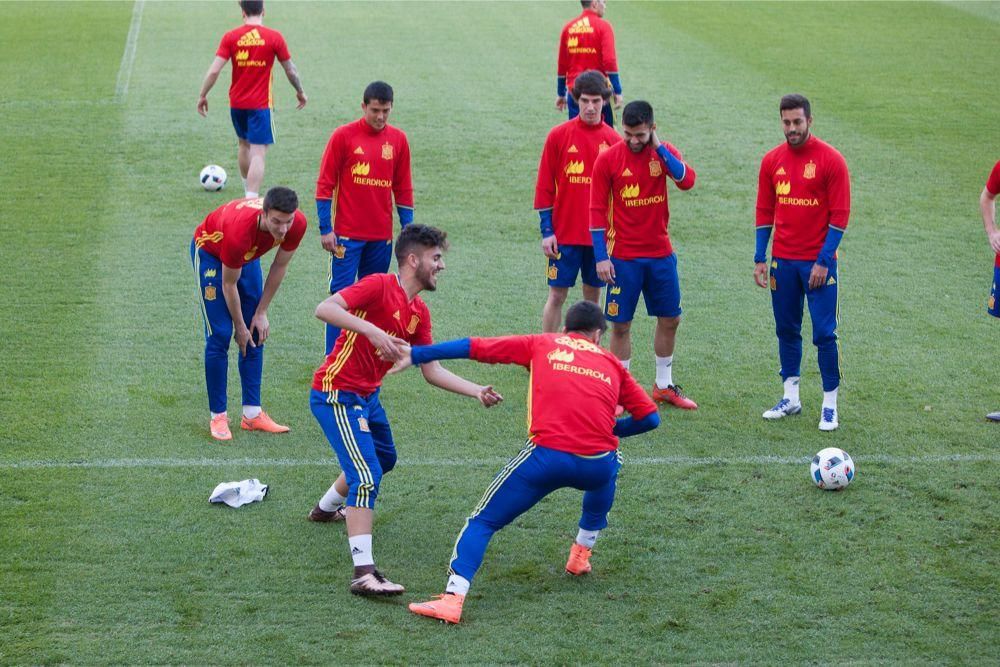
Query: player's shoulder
x,y
776,152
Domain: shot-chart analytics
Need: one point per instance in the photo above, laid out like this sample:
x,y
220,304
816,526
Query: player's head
x,y
591,90
252,7
376,104
637,124
796,118
278,214
597,6
420,253
586,317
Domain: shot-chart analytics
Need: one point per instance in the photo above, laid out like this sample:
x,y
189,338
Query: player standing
x,y
987,206
587,42
375,315
804,193
562,196
366,163
252,49
225,253
572,442
629,218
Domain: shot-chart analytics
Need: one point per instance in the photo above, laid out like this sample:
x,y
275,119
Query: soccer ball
x,y
832,469
213,178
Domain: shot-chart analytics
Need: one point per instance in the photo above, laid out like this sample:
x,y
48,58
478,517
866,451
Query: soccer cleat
x,y
994,416
322,516
579,560
828,421
262,422
674,396
446,607
783,408
220,428
374,584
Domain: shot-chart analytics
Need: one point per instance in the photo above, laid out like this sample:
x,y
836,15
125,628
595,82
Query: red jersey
x,y
802,191
634,187
564,176
353,364
993,187
586,42
233,234
251,49
361,171
575,386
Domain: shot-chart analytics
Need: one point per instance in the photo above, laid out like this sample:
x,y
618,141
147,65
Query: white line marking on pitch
x,y
128,57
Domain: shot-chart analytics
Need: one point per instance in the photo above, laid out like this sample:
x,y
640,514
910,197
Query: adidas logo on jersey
x,y
573,149
780,172
359,151
251,38
627,172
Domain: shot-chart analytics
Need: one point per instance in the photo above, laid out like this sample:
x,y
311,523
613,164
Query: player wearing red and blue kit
x,y
629,219
252,49
365,166
376,316
987,206
225,253
572,439
587,43
804,194
562,196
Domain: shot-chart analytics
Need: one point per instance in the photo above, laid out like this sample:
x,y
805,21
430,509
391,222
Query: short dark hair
x,y
592,82
795,101
585,316
637,112
586,3
419,235
378,90
281,199
252,7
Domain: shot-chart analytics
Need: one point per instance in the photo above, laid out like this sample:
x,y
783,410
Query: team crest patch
x,y
612,308
412,326
552,272
339,251
655,168
810,170
386,151
250,253
774,284
210,273
602,147
210,293
363,425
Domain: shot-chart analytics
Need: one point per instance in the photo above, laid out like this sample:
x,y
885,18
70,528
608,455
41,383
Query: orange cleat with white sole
x,y
220,428
674,396
262,422
446,607
579,560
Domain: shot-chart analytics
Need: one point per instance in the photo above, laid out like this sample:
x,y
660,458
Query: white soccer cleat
x,y
783,408
828,421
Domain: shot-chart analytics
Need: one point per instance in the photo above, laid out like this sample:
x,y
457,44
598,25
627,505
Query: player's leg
x,y
375,258
608,113
344,261
620,301
240,118
561,275
662,293
591,284
552,310
218,333
260,135
787,299
823,311
993,308
572,107
598,477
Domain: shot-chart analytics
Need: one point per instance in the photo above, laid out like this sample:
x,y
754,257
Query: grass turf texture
x,y
108,550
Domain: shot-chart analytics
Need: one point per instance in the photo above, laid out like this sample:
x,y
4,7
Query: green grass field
x,y
720,550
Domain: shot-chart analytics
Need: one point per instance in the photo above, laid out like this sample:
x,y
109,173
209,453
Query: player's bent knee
x,y
387,460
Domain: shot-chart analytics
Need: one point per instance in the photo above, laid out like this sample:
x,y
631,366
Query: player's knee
x,y
218,342
387,460
365,493
557,296
621,328
824,339
669,323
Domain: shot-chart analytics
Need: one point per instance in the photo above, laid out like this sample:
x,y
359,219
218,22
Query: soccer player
x,y
252,49
987,206
376,315
629,218
562,196
804,193
366,163
572,442
587,42
225,252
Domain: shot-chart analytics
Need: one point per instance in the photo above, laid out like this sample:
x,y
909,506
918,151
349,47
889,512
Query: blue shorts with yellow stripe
x,y
358,431
993,305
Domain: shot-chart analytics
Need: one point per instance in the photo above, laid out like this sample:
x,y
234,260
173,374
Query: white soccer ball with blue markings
x,y
832,469
213,178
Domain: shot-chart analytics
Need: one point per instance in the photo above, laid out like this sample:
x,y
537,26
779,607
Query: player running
x,y
987,206
587,43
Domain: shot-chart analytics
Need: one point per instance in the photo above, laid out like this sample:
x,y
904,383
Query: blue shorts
x,y
570,261
654,277
992,306
253,125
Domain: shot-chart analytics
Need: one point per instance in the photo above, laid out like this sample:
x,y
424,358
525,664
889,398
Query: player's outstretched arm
x,y
441,377
334,311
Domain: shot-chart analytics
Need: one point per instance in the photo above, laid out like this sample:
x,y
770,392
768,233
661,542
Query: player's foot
x,y
828,421
994,416
446,607
619,411
783,408
374,583
674,396
220,428
321,515
579,560
262,422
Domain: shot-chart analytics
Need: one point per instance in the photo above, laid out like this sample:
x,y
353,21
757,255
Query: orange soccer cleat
x,y
446,607
579,560
262,422
220,427
674,396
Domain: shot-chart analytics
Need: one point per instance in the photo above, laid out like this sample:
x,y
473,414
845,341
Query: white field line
x,y
690,461
128,57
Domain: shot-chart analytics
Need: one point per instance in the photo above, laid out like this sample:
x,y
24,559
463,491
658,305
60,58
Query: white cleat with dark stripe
x,y
784,408
374,584
828,420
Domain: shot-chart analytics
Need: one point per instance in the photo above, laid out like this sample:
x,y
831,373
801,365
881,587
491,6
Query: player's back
x,y
586,42
252,50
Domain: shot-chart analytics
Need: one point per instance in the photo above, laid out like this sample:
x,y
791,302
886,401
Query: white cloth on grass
x,y
237,494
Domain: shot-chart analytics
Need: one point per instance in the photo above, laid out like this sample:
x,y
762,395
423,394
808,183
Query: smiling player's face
x,y
637,136
796,126
430,262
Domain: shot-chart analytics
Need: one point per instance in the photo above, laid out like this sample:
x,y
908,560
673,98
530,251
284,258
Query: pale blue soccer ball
x,y
832,469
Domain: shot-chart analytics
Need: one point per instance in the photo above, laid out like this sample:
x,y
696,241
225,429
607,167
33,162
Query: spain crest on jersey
x,y
412,326
552,272
386,151
655,168
810,170
612,308
339,251
210,293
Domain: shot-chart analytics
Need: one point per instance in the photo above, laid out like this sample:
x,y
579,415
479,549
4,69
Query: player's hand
x,y
260,324
301,96
654,140
549,247
384,344
328,241
817,277
244,339
619,101
606,271
489,397
561,103
402,363
203,106
995,240
760,274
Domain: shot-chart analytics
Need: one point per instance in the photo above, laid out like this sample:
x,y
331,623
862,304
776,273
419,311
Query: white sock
x,y
458,585
251,411
331,500
626,362
587,538
792,389
830,399
250,194
664,371
216,414
361,550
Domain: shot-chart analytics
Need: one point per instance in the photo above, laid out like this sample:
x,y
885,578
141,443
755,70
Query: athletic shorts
x,y
992,306
253,125
654,277
570,261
